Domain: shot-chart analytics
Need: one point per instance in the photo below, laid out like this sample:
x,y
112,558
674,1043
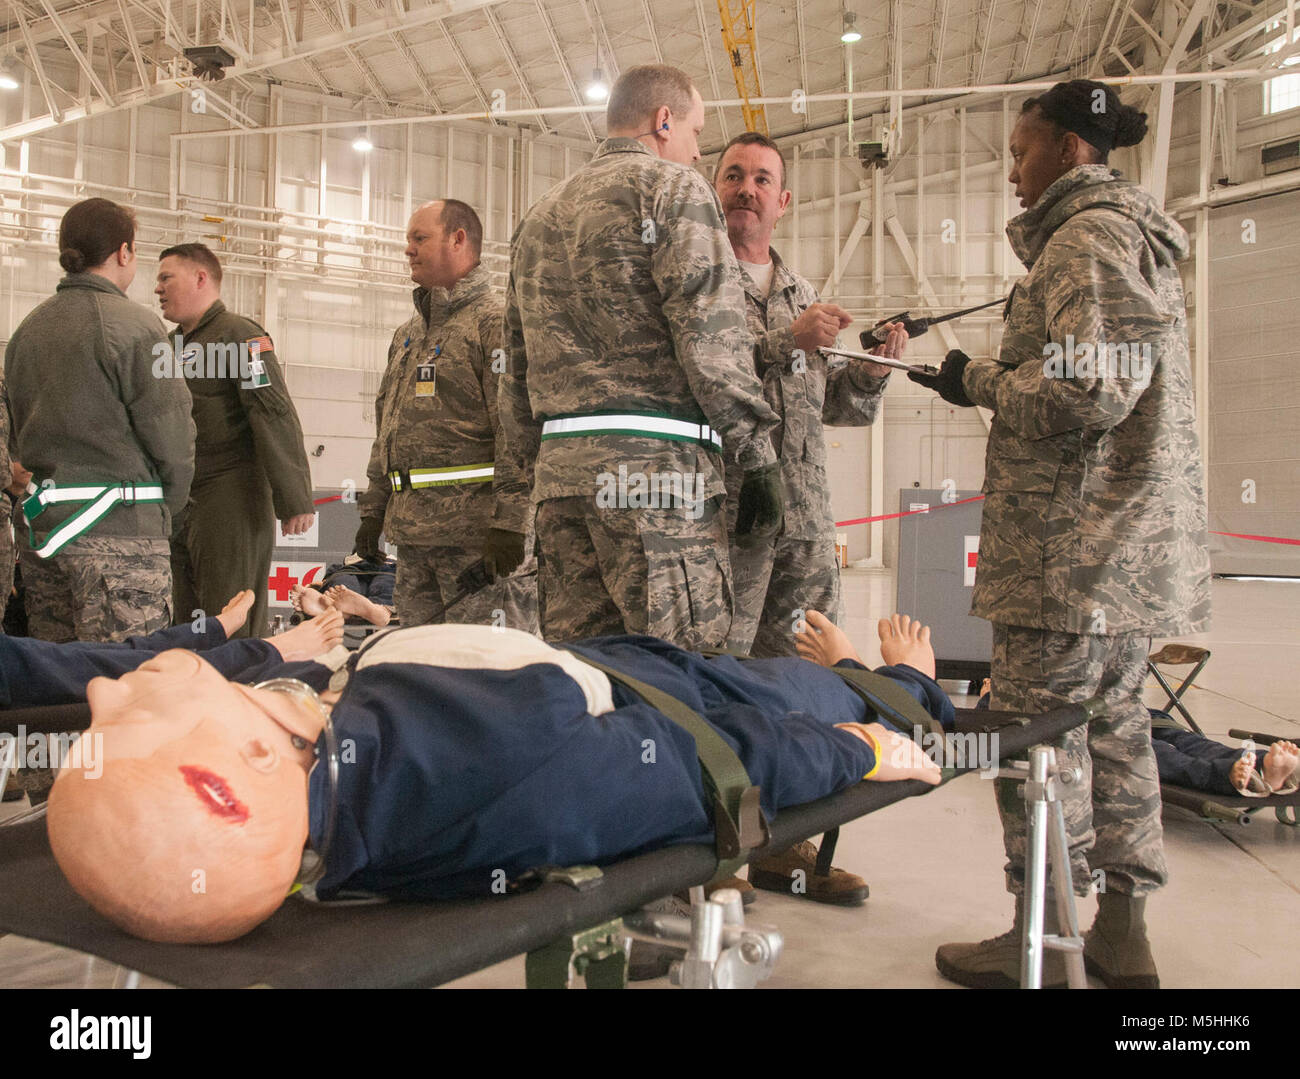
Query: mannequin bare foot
x,y
1242,767
309,639
356,605
903,640
309,601
1280,763
235,613
822,641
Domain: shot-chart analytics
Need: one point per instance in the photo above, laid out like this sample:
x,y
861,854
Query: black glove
x,y
367,542
762,504
503,550
947,383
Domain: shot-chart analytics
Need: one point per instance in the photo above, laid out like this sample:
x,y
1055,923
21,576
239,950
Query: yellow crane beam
x,y
742,50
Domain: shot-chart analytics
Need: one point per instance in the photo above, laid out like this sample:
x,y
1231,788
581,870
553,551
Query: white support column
x,y
961,202
409,154
321,194
920,198
270,282
321,177
1003,249
876,492
510,185
367,213
133,137
446,165
489,233
1201,374
835,215
796,259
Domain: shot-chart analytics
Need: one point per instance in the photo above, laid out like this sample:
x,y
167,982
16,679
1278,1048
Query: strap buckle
x,y
750,830
128,492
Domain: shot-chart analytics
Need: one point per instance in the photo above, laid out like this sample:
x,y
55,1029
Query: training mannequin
x,y
195,830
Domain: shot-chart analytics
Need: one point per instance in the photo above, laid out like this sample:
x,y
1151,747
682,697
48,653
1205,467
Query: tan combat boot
x,y
995,963
1116,948
794,872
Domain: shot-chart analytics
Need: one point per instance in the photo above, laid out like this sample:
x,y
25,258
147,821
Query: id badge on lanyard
x,y
426,375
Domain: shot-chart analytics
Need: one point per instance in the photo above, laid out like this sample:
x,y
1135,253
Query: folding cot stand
x,y
1046,836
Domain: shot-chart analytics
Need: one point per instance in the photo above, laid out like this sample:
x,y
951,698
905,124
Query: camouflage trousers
x,y
427,582
774,584
663,572
8,554
1112,816
98,588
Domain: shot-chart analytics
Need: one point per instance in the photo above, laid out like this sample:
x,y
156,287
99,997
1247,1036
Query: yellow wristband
x,y
875,745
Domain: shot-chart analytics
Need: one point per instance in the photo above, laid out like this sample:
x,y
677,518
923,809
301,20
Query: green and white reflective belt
x,y
646,424
100,499
412,479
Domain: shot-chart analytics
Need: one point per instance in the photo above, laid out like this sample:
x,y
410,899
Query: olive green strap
x,y
738,822
889,700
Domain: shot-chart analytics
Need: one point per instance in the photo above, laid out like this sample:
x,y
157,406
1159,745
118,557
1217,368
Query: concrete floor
x,y
935,863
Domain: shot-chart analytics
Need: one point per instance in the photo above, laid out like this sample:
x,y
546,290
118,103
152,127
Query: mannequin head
x,y
194,831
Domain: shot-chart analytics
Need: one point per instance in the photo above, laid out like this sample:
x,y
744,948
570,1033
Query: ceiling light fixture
x,y
850,34
597,91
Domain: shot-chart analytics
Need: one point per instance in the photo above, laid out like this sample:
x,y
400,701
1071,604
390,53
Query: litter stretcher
x,y
568,920
1225,807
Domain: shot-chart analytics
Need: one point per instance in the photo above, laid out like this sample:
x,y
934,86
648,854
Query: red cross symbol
x,y
970,558
282,583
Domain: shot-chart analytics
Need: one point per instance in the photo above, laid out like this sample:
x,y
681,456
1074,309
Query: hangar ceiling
x,y
394,58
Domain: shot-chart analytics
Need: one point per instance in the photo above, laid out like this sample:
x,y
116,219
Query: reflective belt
x,y
412,479
100,498
652,424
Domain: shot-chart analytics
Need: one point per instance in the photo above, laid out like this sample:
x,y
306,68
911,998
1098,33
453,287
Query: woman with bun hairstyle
x,y
1094,533
100,419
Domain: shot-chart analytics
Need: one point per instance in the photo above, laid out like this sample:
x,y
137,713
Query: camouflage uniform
x,y
88,406
437,409
8,552
250,467
798,570
624,300
1094,535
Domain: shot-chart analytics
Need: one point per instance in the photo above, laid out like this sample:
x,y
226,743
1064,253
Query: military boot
x,y
794,872
1116,948
995,963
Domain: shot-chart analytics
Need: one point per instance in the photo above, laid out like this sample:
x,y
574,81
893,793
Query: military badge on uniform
x,y
425,379
257,376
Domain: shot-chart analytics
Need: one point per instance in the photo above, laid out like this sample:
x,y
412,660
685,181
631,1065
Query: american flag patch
x,y
260,344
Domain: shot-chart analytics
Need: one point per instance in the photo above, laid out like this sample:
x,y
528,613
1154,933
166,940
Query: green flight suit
x,y
250,467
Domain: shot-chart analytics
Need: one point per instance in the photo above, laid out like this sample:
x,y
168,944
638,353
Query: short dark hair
x,y
1093,111
641,91
753,138
91,231
200,253
460,215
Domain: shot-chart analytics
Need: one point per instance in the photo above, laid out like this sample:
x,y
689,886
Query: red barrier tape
x,y
906,513
977,498
939,506
1262,539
